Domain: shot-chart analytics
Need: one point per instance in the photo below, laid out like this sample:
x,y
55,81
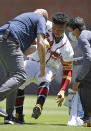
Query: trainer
x,y
15,38
78,31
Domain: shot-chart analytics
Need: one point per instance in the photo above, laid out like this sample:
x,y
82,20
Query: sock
x,y
42,93
19,102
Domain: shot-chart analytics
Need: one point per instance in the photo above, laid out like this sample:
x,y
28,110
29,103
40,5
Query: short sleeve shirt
x,y
25,28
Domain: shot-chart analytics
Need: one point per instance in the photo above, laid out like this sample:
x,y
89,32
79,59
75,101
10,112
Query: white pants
x,y
32,69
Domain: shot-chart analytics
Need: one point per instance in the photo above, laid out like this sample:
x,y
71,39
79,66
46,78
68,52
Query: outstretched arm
x,y
66,79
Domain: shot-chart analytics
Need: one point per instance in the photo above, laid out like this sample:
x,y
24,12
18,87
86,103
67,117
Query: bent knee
x,y
21,77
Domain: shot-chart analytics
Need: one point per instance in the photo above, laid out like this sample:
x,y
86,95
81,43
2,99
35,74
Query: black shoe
x,y
3,113
9,120
36,112
19,119
87,121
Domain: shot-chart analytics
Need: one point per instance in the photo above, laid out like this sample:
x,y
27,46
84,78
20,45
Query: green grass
x,y
52,118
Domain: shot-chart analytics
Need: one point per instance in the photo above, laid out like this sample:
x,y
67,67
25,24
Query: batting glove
x,y
60,97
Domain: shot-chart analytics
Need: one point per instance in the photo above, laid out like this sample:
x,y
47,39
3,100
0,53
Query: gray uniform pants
x,y
12,61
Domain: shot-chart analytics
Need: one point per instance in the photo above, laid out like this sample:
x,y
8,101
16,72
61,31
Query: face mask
x,y
72,37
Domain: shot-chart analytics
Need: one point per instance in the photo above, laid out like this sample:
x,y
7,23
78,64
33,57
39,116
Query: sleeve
x,y
67,74
41,26
84,70
78,60
85,45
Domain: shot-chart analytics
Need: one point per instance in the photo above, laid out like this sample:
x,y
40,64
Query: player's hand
x,y
60,97
75,86
42,71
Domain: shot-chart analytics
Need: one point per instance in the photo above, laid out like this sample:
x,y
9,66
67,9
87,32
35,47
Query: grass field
x,y
52,118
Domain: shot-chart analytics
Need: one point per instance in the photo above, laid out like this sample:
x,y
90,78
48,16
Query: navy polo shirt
x,y
25,28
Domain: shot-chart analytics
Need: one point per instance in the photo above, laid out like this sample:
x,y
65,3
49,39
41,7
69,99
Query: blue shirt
x,y
25,28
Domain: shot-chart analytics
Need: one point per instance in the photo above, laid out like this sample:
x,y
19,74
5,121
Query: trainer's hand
x,y
75,86
42,71
60,97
